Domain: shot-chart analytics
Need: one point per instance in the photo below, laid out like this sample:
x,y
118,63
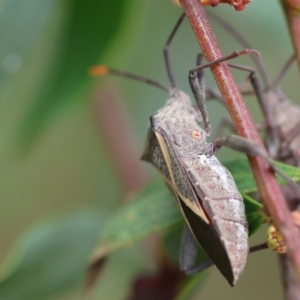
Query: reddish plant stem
x,y
266,182
115,128
292,13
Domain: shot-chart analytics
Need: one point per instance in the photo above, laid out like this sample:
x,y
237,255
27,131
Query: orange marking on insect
x,y
98,70
196,134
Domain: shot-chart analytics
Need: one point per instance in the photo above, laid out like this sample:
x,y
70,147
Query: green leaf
x,y
191,286
50,258
152,211
290,171
171,242
85,35
254,214
245,182
241,172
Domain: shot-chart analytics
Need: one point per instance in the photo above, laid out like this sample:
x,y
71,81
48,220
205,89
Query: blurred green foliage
x,y
50,258
53,159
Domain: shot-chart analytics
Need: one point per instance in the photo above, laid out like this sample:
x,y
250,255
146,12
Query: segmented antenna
x,y
283,71
103,70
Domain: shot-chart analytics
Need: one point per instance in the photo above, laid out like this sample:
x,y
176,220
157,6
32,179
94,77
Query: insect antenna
x,y
283,71
103,70
240,39
166,51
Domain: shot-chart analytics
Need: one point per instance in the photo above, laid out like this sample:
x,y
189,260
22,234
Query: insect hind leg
x,y
244,145
188,250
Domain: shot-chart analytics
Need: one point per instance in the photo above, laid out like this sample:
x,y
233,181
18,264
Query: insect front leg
x,y
274,106
196,81
266,108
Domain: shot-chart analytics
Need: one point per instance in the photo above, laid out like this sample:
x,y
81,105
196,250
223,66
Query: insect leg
x,y
258,90
197,85
244,43
283,71
208,262
293,133
166,51
225,123
241,144
212,93
260,95
188,250
203,266
196,81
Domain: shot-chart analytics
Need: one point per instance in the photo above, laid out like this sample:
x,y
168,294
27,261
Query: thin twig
x,y
292,12
266,182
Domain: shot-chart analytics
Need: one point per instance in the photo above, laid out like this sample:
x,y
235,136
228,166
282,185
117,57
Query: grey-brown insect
x,y
204,189
282,134
282,116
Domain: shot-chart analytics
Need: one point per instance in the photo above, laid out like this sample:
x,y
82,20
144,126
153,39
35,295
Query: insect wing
x,y
211,205
179,181
209,240
225,209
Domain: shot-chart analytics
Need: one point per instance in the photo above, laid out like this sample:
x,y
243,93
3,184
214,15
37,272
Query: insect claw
x,y
249,51
208,128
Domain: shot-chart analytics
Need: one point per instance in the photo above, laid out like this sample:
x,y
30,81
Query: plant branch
x,y
266,182
292,12
115,128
